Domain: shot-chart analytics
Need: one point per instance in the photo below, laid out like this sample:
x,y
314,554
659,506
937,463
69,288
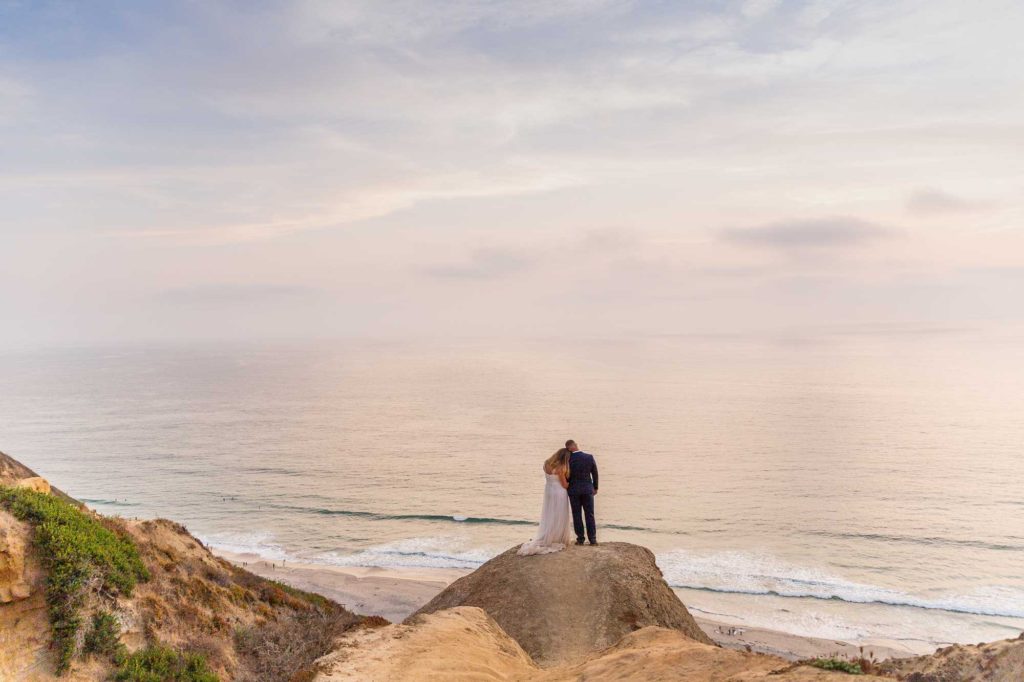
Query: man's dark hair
x,y
569,443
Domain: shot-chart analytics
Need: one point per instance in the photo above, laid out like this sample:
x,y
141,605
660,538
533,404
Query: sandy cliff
x,y
247,627
465,644
587,613
596,613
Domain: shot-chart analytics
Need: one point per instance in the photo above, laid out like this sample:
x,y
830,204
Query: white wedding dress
x,y
555,530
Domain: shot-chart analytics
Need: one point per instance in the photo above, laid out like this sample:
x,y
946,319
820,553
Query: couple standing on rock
x,y
570,484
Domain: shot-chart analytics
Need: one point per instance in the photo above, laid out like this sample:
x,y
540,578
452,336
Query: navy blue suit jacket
x,y
582,474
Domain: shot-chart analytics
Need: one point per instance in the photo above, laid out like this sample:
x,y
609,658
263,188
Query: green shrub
x,y
837,664
163,664
104,639
78,551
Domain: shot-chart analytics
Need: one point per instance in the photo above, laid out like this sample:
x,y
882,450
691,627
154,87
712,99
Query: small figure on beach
x,y
569,488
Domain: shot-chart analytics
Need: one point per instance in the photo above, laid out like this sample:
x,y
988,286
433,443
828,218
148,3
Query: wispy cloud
x,y
487,263
426,147
614,240
807,234
235,293
929,202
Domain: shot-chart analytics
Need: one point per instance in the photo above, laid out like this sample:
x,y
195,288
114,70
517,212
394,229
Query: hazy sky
x,y
213,170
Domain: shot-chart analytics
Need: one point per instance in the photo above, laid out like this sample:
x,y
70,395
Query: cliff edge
x,y
564,606
84,597
14,473
600,613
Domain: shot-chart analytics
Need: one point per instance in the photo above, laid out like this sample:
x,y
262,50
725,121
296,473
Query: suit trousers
x,y
583,505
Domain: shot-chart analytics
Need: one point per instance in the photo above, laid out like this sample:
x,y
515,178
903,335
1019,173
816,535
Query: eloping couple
x,y
570,484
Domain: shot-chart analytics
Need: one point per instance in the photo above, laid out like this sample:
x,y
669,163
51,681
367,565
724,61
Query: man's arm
x,y
594,473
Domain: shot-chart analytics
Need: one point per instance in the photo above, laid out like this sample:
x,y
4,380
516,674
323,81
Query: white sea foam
x,y
807,622
429,552
727,572
262,545
762,574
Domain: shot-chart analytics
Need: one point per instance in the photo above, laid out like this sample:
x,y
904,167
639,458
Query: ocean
x,y
861,484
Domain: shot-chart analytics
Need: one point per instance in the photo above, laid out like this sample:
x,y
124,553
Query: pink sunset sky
x,y
222,171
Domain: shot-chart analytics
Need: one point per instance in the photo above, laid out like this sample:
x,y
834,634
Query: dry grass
x,y
370,622
307,674
275,651
247,627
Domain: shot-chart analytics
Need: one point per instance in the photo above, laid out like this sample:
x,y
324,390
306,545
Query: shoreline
x,y
395,593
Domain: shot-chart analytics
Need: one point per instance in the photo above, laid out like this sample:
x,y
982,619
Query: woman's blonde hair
x,y
559,459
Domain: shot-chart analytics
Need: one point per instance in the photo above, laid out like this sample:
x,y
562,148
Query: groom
x,y
582,488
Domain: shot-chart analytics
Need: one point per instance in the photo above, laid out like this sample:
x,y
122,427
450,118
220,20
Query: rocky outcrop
x,y
14,544
1001,661
586,613
564,606
37,483
24,626
14,473
15,538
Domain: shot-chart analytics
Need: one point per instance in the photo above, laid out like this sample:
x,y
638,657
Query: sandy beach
x,y
370,591
395,593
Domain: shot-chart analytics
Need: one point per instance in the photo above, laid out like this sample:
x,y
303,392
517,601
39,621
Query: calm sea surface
x,y
858,486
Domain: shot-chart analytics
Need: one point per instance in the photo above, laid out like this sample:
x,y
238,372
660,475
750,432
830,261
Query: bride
x,y
555,530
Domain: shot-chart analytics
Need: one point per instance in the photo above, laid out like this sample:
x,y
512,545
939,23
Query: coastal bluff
x,y
564,606
597,613
588,613
182,607
585,613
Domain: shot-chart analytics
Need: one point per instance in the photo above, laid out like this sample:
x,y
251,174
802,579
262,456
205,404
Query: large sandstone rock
x,y
564,606
37,483
12,471
14,540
